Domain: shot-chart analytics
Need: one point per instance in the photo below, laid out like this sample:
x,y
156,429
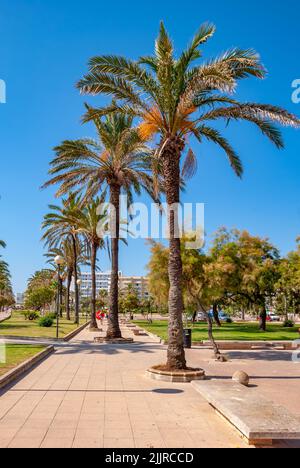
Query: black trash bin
x,y
187,338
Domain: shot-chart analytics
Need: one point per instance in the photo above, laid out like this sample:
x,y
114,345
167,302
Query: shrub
x,y
229,320
52,315
31,315
288,324
46,322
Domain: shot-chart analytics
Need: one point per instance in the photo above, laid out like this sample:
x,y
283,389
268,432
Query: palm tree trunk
x,y
113,330
68,289
93,304
171,168
76,281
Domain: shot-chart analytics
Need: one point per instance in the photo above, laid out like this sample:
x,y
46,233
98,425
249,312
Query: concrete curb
x,y
76,332
234,345
152,335
44,339
26,366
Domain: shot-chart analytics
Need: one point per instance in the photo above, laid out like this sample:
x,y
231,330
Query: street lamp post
x,y
79,282
59,261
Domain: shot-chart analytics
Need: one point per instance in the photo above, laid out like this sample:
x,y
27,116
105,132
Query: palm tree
x,y
6,292
176,99
66,251
120,162
60,225
91,222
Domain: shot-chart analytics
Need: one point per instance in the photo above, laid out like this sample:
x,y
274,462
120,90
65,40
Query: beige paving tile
x,y
28,443
118,443
98,396
64,443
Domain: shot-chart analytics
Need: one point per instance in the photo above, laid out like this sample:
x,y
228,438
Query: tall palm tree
x,y
118,162
66,251
59,224
92,223
176,99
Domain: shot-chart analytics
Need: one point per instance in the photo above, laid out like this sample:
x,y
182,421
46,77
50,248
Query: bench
x,y
259,421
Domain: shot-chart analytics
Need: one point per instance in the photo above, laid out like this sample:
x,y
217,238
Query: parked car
x,y
222,316
201,317
271,317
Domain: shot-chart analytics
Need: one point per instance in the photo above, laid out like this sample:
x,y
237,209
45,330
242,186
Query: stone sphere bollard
x,y
241,378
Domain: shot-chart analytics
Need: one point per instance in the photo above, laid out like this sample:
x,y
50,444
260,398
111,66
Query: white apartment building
x,y
20,299
103,281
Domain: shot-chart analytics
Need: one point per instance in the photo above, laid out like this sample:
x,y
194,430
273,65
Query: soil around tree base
x,y
119,341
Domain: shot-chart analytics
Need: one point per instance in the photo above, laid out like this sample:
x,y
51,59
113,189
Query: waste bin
x,y
187,338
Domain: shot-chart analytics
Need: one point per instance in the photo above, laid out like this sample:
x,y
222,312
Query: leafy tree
x,y
40,297
244,266
288,285
197,291
129,300
103,299
118,162
159,284
175,99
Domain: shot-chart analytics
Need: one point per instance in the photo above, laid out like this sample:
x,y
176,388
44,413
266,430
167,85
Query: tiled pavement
x,y
88,395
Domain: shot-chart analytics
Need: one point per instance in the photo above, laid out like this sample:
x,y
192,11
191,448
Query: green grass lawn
x,y
235,331
16,354
18,326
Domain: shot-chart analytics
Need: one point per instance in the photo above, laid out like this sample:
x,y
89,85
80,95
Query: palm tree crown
x,y
175,98
118,157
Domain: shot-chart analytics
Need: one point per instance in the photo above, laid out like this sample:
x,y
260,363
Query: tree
x,y
119,162
92,223
66,251
41,289
129,299
157,267
244,266
197,291
288,285
40,297
165,93
59,225
6,293
103,299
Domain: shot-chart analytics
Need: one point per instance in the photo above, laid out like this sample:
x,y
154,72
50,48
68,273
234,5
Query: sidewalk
x,y
88,395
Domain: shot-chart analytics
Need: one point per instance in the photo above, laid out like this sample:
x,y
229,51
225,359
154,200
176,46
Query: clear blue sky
x,y
45,45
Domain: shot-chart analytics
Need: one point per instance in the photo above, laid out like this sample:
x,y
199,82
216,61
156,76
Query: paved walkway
x,y
88,395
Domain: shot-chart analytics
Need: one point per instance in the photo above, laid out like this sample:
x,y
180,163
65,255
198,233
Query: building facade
x,y
20,299
103,282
